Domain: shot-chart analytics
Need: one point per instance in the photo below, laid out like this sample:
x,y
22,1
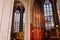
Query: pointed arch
x,y
18,21
48,14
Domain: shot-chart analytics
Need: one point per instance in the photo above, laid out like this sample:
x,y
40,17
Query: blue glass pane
x,y
16,20
44,6
49,22
48,13
52,25
50,8
51,13
48,18
46,25
50,5
45,9
47,6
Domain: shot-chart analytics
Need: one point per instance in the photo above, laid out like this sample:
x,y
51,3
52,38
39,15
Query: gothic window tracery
x,y
18,21
48,14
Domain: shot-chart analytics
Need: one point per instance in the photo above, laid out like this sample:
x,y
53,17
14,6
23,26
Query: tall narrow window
x,y
16,21
17,32
48,14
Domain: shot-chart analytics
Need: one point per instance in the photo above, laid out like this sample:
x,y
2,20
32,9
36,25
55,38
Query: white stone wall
x,y
5,18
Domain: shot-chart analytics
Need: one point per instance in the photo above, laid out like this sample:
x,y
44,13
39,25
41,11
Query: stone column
x,y
59,5
26,4
1,11
6,17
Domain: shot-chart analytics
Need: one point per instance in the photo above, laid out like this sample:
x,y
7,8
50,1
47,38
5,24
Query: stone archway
x,y
26,4
18,19
7,9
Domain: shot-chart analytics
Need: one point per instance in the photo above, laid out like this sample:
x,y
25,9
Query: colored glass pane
x,y
48,13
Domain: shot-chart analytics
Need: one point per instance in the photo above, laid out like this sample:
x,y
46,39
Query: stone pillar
x,y
26,4
59,4
1,13
6,17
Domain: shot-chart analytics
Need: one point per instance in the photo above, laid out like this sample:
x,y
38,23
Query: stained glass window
x,y
16,21
48,14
